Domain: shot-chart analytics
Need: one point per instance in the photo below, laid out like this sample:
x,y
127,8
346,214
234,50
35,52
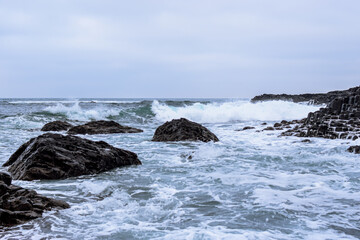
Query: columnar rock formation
x,y
340,119
315,98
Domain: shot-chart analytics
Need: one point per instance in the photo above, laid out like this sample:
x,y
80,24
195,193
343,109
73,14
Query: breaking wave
x,y
76,112
233,111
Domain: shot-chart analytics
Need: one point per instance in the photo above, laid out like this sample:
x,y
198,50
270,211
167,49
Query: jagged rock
x,y
183,130
102,127
315,98
354,149
54,156
56,126
340,119
18,205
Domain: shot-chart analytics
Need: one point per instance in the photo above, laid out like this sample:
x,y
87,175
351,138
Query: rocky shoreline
x,y
312,98
55,156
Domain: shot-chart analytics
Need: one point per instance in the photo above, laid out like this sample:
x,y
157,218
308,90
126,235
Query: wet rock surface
x,y
183,130
102,127
354,149
18,205
340,119
245,128
56,126
54,156
314,98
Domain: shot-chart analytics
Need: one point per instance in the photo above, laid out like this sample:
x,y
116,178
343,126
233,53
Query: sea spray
x,y
219,112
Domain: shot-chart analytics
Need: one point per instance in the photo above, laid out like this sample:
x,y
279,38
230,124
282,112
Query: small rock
x,y
269,129
354,149
102,127
56,126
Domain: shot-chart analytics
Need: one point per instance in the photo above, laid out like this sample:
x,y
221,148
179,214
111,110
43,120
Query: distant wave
x,y
72,101
75,112
234,111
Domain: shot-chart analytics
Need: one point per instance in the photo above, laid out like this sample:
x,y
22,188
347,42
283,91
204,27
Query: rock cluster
x,y
340,119
183,130
54,156
102,127
18,205
315,98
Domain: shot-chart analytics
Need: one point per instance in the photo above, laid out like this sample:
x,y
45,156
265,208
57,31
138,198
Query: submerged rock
x,y
18,205
315,98
102,127
56,126
54,156
246,128
354,149
183,130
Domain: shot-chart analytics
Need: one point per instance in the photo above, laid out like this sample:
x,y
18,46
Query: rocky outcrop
x,y
18,205
183,130
54,156
354,149
102,127
340,119
314,98
56,126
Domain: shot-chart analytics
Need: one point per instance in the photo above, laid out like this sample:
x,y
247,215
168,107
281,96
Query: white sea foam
x,y
233,111
75,112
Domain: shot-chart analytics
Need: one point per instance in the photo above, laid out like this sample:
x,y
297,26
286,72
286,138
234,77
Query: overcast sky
x,y
177,48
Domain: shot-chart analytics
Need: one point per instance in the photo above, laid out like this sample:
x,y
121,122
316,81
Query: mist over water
x,y
250,185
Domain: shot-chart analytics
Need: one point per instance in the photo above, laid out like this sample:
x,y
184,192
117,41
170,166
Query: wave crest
x,y
234,111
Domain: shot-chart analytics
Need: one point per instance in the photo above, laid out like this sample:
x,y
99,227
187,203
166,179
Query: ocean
x,y
251,184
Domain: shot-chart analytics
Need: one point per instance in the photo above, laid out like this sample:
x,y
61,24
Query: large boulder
x,y
56,126
54,156
183,130
18,205
102,127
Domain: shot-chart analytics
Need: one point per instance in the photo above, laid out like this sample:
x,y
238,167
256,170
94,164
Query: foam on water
x,y
234,111
250,185
76,112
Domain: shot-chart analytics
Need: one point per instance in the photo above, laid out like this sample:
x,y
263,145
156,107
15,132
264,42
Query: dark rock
x,y
306,141
340,119
102,127
277,125
54,156
6,178
314,98
246,128
354,149
269,129
56,126
264,123
18,205
183,130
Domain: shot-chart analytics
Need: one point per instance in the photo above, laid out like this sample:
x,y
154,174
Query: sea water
x,y
251,185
